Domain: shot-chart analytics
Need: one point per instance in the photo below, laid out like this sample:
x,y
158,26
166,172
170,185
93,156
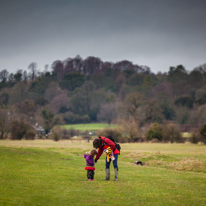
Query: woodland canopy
x,y
89,90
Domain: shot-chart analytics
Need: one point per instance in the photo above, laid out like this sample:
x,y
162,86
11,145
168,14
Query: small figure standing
x,y
89,157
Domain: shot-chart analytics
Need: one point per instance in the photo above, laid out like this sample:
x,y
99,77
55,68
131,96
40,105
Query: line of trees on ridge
x,y
90,90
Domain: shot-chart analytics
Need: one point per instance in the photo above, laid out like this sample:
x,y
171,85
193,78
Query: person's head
x,y
93,152
97,143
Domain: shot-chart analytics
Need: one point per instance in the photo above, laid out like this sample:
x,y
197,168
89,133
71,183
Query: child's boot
x,y
116,174
107,174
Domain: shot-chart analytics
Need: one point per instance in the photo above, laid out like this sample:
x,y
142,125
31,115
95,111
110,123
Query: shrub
x,y
171,133
72,132
18,129
154,140
66,134
30,134
115,133
155,132
71,118
195,137
131,131
185,101
59,133
85,132
40,136
86,137
203,134
86,118
56,134
137,139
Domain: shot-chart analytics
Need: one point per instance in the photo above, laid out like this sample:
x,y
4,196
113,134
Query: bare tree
x,y
88,91
58,68
121,79
4,74
46,68
27,107
33,68
57,102
131,130
18,92
52,91
108,112
92,65
201,68
132,104
24,76
5,121
150,112
18,75
163,91
141,110
4,99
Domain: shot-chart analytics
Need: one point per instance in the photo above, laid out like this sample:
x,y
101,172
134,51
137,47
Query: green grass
x,y
43,172
90,126
186,134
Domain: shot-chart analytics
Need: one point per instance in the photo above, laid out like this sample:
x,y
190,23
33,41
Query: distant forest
x,y
89,90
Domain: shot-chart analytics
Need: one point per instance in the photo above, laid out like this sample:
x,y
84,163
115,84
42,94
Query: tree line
x,y
90,90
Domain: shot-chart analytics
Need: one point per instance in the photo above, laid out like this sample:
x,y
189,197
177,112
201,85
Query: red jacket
x,y
109,143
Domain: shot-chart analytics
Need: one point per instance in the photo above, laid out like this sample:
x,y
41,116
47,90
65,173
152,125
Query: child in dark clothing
x,y
89,156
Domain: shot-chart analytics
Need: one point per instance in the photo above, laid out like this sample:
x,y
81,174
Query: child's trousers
x,y
90,174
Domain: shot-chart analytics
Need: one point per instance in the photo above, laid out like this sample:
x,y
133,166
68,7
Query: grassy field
x,y
89,127
44,172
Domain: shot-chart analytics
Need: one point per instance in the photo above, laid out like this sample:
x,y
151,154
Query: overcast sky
x,y
156,33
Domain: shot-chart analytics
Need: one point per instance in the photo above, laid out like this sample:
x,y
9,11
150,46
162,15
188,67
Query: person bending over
x,y
101,144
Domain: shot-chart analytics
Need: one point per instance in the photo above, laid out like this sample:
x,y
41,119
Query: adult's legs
x,y
115,167
107,169
107,163
115,161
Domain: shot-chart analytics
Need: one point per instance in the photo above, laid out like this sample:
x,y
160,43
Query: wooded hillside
x,y
78,91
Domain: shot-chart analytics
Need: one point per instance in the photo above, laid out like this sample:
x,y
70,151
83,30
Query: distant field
x,y
89,127
45,172
186,134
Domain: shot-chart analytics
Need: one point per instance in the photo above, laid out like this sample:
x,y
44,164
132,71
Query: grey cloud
x,y
156,33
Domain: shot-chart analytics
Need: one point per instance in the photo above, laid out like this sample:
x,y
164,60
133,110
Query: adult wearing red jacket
x,y
101,144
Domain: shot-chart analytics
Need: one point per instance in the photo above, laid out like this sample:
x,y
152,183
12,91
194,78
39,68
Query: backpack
x,y
117,146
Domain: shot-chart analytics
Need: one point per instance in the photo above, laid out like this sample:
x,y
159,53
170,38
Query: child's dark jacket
x,y
90,161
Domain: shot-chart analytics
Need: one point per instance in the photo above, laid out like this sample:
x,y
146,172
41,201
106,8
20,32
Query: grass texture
x,y
89,126
43,172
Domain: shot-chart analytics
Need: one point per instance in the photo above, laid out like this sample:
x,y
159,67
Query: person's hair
x,y
97,143
93,152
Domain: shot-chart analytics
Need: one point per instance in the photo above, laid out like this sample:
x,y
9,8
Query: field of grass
x,y
186,134
44,172
89,127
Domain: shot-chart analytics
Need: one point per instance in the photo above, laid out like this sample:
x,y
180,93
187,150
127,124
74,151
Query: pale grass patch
x,y
186,134
134,155
169,161
145,155
188,164
165,148
82,144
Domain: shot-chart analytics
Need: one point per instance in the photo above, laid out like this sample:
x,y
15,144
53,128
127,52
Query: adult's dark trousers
x,y
114,162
